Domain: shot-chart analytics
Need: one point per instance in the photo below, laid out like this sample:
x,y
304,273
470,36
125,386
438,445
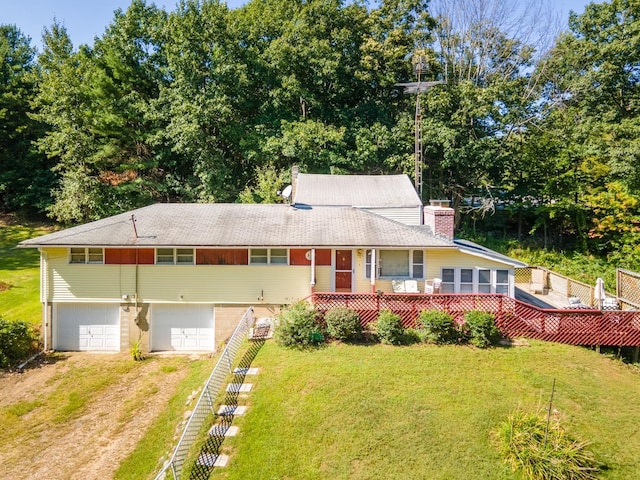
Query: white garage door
x,y
182,328
92,327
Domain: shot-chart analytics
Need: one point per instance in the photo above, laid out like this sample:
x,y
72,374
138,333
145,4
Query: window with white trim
x,y
448,280
484,280
268,256
466,280
502,282
174,256
475,280
86,255
397,264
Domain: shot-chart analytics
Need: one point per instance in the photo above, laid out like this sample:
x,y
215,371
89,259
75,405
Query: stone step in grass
x,y
246,371
239,387
213,460
232,410
223,431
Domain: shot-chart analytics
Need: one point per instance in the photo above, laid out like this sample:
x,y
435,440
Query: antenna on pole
x,y
133,223
418,88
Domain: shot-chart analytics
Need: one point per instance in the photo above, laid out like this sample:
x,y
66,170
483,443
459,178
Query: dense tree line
x,y
207,104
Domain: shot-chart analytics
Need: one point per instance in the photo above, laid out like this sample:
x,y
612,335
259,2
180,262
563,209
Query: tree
x,y
96,104
20,190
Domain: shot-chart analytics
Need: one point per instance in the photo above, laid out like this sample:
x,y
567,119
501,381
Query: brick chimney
x,y
440,217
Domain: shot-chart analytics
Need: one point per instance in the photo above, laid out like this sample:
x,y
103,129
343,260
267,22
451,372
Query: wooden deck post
x,y
635,354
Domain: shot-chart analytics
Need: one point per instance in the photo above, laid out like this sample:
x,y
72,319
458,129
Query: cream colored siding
x,y
165,283
362,284
323,279
223,283
451,258
408,216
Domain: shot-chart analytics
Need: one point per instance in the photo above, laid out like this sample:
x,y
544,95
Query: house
x,y
177,277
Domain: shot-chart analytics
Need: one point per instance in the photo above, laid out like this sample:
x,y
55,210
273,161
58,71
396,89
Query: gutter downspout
x,y
373,270
313,270
45,294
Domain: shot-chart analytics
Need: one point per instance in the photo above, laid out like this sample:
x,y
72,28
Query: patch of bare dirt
x,y
92,445
4,286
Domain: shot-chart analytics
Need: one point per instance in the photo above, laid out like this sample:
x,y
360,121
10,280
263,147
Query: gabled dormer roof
x,y
362,191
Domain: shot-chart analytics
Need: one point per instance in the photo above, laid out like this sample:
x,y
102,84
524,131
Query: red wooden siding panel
x,y
222,256
127,256
297,256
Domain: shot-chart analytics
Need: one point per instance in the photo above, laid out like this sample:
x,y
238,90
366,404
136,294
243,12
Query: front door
x,y
343,270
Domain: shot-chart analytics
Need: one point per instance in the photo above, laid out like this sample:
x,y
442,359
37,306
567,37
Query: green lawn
x,y
362,412
19,274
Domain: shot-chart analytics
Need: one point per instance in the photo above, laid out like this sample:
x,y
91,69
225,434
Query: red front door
x,y
343,270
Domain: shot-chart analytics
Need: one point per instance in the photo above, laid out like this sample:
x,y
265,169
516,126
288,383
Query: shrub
x,y
297,327
438,326
481,328
389,328
343,323
17,340
521,441
412,335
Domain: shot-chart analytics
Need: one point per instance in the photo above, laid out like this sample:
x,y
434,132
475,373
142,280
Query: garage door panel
x,y
88,327
182,328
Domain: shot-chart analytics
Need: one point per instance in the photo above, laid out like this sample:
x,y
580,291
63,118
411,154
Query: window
x,y
397,264
448,280
86,255
484,281
418,264
466,280
502,282
174,256
279,256
475,280
266,256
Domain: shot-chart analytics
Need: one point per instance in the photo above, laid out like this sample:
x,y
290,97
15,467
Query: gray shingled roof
x,y
230,225
356,190
476,249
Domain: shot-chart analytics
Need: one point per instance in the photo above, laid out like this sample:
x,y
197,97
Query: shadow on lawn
x,y
211,447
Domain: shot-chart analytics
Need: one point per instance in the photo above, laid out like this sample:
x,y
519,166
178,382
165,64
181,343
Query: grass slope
x,y
362,412
19,273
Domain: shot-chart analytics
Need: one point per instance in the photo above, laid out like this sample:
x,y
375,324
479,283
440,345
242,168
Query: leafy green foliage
x,y
438,326
481,329
540,454
17,340
298,327
389,328
343,323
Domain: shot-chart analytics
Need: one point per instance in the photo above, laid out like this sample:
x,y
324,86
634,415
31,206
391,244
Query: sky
x,y
86,19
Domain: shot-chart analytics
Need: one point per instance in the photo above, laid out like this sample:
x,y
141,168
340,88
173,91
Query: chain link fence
x,y
205,404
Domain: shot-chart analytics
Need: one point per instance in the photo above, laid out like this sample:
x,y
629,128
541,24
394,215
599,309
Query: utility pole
x,y
418,87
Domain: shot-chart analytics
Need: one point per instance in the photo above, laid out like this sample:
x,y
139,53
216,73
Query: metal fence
x,y
205,404
513,318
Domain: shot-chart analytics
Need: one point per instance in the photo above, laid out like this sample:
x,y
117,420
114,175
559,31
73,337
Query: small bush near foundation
x,y
136,352
297,327
343,323
389,328
481,329
521,441
17,340
438,327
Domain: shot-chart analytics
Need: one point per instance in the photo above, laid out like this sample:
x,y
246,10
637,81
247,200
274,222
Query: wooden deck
x,y
549,300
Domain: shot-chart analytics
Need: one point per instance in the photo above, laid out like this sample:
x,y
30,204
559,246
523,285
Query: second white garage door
x,y
182,328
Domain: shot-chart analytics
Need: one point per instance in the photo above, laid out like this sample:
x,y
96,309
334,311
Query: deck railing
x,y
513,318
560,283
